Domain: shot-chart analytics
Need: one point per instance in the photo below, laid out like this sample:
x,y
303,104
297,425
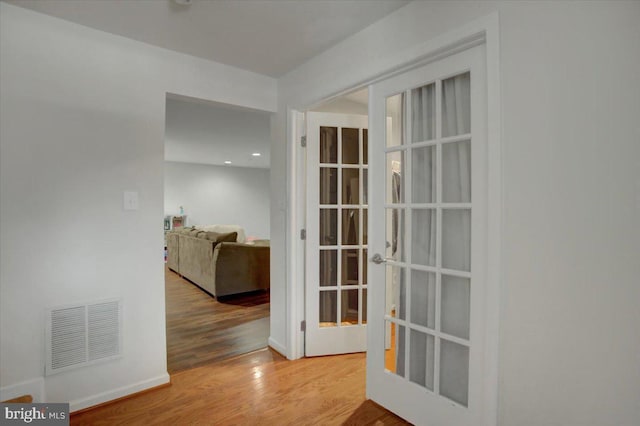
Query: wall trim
x,y
281,349
110,396
33,387
495,206
113,401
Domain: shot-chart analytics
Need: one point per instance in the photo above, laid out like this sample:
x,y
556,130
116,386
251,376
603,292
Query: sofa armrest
x,y
173,248
240,268
195,260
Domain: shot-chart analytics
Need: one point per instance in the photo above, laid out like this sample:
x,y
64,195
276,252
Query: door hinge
x,y
303,325
303,234
303,141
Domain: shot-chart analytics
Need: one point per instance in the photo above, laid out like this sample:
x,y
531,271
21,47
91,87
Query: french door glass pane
x,y
328,268
350,226
456,239
395,247
395,114
456,172
350,186
350,146
423,175
401,338
421,359
395,292
328,316
365,186
391,346
365,146
364,305
456,105
423,298
423,237
454,371
365,225
329,145
423,113
328,185
395,172
364,266
328,227
350,263
455,306
349,313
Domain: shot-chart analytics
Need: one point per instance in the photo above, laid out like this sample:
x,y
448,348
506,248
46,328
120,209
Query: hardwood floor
x,y
260,388
202,329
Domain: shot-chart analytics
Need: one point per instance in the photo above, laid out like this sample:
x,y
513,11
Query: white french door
x,y
336,249
428,208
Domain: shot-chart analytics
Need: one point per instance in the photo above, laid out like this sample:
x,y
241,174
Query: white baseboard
x,y
277,347
80,404
34,387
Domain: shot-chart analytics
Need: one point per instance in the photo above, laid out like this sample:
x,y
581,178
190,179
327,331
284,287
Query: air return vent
x,y
83,334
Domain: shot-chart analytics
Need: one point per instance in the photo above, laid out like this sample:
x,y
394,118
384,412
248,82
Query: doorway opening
x,y
428,252
217,231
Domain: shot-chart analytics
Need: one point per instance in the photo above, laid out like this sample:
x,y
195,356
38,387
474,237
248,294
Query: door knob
x,y
377,259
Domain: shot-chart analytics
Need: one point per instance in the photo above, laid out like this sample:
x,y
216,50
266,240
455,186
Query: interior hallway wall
x,y
82,120
219,195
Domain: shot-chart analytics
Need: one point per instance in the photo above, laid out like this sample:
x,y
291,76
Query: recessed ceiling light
x,y
227,162
256,154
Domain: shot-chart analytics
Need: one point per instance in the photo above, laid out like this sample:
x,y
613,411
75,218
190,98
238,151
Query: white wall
x,y
571,190
82,116
219,195
343,106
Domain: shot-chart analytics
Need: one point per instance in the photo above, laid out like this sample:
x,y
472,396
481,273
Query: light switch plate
x,y
131,200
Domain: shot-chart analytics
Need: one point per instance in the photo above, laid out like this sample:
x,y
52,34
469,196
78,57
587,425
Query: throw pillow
x,y
212,236
230,237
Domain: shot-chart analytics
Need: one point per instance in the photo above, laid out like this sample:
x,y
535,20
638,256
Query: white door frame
x,y
481,31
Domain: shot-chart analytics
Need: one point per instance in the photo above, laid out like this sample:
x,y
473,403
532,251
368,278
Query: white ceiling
x,y
210,133
269,37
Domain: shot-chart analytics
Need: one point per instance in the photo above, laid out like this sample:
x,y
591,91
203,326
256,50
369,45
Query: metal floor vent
x,y
83,334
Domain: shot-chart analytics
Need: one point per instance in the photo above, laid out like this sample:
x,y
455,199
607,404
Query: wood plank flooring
x,y
260,388
202,329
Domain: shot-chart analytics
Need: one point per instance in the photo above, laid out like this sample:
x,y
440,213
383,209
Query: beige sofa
x,y
216,262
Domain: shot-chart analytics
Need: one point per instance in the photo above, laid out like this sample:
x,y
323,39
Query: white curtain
x,y
456,223
456,173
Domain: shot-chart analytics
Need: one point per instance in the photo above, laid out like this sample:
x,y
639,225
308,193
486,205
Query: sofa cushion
x,y
229,237
222,229
211,236
205,236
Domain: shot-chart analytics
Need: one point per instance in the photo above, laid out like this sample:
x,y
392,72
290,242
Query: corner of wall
x,y
276,346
